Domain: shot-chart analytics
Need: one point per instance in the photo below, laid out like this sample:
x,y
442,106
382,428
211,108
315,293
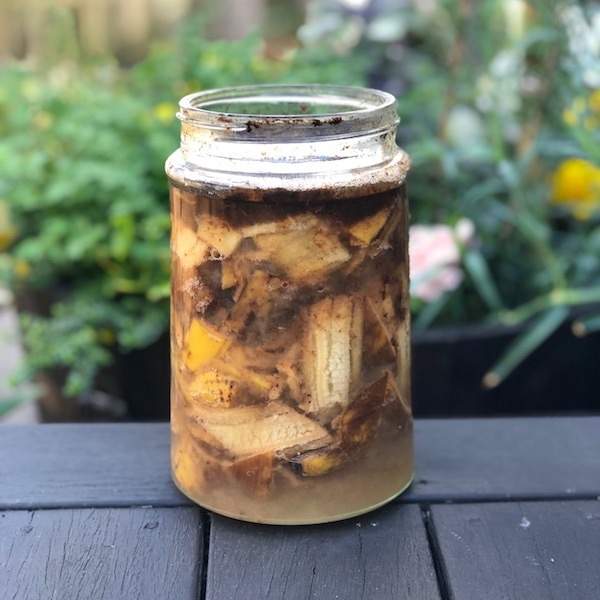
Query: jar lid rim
x,y
318,104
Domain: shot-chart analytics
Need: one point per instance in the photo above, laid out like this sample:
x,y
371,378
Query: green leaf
x,y
428,314
479,271
518,350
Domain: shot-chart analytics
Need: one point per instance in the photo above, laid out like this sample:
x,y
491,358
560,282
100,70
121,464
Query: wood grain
x,y
456,461
104,554
56,466
465,460
512,551
381,556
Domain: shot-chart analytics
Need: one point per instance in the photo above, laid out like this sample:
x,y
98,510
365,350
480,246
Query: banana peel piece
x,y
379,345
251,430
358,424
332,354
186,461
264,312
254,473
288,370
315,463
195,469
227,385
305,255
189,249
222,238
354,430
202,345
297,222
252,306
363,232
229,277
398,396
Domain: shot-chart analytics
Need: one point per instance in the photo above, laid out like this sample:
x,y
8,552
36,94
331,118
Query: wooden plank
x,y
380,556
535,550
456,460
105,554
56,466
496,459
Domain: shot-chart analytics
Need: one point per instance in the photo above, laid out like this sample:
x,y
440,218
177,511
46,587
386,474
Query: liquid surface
x,y
290,356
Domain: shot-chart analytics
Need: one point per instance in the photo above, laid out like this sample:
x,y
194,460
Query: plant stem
x,y
525,344
557,297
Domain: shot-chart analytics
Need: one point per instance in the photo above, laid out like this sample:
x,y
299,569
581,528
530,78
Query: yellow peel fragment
x,y
363,232
201,346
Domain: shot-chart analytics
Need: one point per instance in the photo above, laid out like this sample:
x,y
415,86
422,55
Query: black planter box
x,y
561,377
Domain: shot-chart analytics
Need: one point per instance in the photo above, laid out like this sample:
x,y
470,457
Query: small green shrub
x,y
82,150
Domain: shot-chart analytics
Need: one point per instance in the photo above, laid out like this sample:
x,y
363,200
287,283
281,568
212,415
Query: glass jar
x,y
290,396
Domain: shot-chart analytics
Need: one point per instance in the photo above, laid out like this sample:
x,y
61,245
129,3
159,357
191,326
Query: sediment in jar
x,y
290,361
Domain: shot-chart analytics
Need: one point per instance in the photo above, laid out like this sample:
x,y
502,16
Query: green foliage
x,y
82,151
500,109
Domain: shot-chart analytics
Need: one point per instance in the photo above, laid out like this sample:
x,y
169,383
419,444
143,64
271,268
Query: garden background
x,y
500,110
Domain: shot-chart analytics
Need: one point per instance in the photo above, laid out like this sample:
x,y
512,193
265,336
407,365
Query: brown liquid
x,y
290,356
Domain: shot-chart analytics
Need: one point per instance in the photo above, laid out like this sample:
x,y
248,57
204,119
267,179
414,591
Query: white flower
x,y
464,127
584,40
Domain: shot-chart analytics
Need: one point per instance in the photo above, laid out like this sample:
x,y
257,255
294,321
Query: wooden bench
x,y
500,509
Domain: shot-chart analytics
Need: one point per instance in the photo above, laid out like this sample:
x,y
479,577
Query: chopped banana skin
x,y
219,236
201,345
249,430
288,349
319,462
364,231
379,346
332,354
304,255
358,424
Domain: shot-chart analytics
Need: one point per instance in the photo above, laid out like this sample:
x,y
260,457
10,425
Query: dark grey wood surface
x,y
514,550
107,523
100,554
86,465
381,556
456,460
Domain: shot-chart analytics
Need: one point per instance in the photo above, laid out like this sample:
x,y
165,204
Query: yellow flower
x,y
573,113
594,101
165,112
576,185
584,112
21,268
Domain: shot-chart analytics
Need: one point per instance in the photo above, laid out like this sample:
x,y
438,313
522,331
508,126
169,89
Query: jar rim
x,y
315,105
342,137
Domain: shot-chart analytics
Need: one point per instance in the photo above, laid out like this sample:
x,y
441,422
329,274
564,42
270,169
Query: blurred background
x,y
500,111
127,30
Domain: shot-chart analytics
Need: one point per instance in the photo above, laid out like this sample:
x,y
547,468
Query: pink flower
x,y
434,253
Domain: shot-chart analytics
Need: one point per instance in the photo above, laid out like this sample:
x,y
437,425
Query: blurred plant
x,y
435,253
499,102
500,108
84,205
